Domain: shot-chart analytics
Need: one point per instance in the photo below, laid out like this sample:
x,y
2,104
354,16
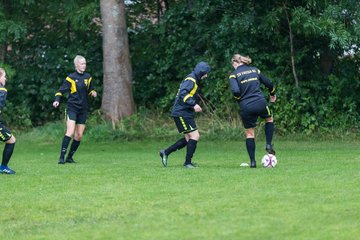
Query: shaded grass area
x,y
119,190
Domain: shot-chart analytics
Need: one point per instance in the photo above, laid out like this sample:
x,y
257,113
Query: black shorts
x,y
5,133
251,113
78,117
185,125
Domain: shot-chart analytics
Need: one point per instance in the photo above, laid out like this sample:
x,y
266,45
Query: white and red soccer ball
x,y
269,161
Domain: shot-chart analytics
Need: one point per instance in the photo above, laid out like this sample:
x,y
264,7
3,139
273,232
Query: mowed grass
x,y
119,190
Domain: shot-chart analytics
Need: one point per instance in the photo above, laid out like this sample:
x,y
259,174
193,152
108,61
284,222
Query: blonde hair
x,y
77,58
241,59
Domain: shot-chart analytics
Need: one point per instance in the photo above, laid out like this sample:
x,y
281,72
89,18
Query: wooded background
x,y
310,49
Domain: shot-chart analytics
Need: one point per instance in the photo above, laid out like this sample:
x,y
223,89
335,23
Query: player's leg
x,y
179,144
249,118
269,129
70,129
9,139
79,131
269,132
250,145
193,137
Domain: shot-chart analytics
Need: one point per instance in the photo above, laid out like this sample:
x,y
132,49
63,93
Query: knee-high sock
x,y
74,146
250,146
64,146
8,151
190,150
269,132
176,146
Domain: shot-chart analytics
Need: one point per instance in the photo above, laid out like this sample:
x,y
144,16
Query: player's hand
x,y
272,99
94,94
56,104
197,108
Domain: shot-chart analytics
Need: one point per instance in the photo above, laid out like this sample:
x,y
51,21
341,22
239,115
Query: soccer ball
x,y
269,161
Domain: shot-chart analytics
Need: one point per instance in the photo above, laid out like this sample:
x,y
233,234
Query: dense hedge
x,y
42,38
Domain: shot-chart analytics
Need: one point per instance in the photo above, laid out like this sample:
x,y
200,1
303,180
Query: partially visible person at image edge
x,y
80,86
183,112
5,134
245,85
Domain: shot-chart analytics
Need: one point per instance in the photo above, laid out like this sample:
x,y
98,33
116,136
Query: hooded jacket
x,y
188,94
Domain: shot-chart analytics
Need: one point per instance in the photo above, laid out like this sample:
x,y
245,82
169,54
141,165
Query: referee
x,y
79,85
183,112
245,85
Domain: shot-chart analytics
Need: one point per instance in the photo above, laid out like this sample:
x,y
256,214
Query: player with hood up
x,y
183,112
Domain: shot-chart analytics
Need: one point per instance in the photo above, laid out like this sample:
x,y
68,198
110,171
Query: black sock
x,y
74,146
269,132
176,146
190,150
250,146
64,146
8,151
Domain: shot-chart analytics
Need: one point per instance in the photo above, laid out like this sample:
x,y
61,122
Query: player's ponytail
x,y
241,59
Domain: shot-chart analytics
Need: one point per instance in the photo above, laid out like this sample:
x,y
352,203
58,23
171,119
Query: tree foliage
x,y
324,33
309,48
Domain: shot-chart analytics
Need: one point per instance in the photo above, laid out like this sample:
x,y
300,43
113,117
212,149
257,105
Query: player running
x,y
183,112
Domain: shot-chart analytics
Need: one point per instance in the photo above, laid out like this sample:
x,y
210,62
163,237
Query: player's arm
x,y
62,90
3,93
235,88
187,91
267,82
91,89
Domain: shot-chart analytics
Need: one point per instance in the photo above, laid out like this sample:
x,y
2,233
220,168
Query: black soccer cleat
x,y
190,165
270,149
253,164
164,157
70,160
61,161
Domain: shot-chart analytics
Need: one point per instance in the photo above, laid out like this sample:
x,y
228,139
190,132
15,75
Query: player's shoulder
x,y
87,75
3,89
72,75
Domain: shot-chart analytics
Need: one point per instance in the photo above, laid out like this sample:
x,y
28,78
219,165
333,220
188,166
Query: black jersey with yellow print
x,y
3,94
245,84
79,86
5,133
188,93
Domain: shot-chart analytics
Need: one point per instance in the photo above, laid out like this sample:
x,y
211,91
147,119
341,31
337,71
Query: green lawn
x,y
119,190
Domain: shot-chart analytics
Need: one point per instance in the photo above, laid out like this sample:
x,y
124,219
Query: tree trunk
x,y
117,99
292,52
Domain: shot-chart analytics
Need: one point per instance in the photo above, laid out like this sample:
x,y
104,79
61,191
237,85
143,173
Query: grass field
x,y
119,190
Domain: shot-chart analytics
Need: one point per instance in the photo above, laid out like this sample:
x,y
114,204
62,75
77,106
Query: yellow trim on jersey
x,y
193,91
259,71
73,85
3,89
268,110
58,94
273,91
232,76
90,79
237,98
91,92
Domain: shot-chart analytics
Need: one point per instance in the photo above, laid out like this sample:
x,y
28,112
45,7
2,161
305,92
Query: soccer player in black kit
x,y
245,85
183,112
5,134
79,84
